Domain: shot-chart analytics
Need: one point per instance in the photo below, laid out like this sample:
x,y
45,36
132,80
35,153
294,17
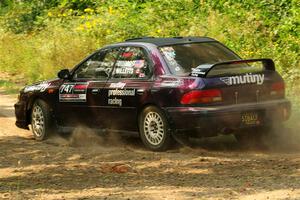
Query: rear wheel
x,y
41,123
154,129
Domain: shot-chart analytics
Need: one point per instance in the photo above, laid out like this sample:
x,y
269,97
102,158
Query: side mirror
x,y
64,74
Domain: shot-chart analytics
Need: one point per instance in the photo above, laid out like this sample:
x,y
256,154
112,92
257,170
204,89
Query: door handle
x,y
140,91
95,91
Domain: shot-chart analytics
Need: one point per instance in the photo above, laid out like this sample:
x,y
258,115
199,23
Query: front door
x,y
79,95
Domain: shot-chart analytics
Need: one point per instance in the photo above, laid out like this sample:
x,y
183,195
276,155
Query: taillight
x,y
201,96
278,89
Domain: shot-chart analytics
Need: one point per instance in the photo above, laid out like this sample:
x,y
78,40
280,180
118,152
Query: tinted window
x,y
132,63
182,58
98,66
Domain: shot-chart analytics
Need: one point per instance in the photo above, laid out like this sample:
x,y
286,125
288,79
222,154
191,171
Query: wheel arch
x,y
30,104
167,134
141,108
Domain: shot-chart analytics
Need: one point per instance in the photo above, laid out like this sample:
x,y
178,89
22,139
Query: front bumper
x,y
208,120
20,112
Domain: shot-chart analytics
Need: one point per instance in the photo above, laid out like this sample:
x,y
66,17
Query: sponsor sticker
x,y
139,64
200,70
115,101
175,83
73,92
244,79
142,75
40,87
169,52
120,85
137,71
177,69
127,54
115,93
125,63
125,70
118,92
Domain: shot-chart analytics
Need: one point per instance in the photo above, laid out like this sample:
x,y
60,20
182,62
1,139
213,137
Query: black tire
x,y
154,129
41,121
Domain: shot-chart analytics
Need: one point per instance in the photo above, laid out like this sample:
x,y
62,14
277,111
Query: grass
x,y
41,56
9,87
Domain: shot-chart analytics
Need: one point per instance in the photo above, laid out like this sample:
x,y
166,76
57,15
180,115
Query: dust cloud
x,y
286,138
83,136
281,139
86,137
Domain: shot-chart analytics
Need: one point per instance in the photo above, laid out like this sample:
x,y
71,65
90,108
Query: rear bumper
x,y
212,119
20,112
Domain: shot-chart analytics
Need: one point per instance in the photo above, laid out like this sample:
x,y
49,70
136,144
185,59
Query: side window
x,y
98,66
132,63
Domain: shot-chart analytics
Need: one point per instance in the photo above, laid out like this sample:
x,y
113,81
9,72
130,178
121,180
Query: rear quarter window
x,y
182,58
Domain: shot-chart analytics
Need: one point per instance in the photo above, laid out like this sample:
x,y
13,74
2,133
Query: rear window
x,y
182,59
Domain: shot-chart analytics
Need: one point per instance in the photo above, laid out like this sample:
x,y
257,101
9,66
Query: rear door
x,y
127,89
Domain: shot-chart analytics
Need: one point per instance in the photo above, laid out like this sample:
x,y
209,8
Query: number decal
x,y
66,89
73,92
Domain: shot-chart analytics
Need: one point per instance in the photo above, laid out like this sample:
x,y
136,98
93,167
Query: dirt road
x,y
86,166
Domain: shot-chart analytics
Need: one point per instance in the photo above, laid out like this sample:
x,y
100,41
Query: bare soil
x,y
89,166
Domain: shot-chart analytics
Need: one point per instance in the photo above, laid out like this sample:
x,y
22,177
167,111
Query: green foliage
x,y
26,16
5,4
43,36
10,87
79,5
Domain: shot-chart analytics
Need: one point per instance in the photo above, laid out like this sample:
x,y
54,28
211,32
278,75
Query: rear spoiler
x,y
267,63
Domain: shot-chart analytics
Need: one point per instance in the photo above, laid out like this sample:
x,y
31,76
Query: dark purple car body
x,y
158,87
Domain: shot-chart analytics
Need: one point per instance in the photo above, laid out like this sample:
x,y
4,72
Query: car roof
x,y
170,40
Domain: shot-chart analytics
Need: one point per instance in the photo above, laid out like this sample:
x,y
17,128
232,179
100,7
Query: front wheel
x,y
41,123
154,129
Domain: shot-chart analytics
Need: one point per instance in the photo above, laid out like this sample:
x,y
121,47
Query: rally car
x,y
158,88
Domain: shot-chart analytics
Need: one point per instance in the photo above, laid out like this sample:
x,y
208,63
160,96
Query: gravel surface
x,y
85,165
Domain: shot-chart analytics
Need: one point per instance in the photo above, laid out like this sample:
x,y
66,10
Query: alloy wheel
x,y
38,121
154,128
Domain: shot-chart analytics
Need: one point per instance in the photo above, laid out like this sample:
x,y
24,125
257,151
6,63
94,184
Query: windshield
x,y
183,58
